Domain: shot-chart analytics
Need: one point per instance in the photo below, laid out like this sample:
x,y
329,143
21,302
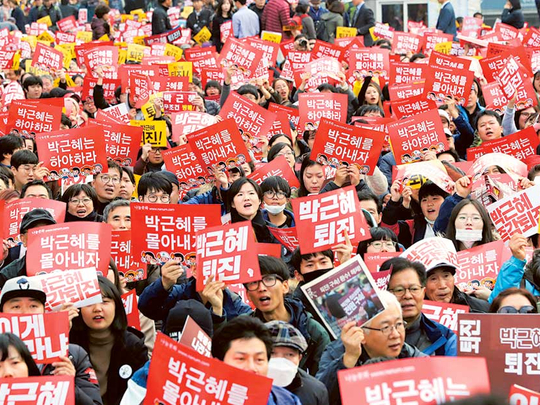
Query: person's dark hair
x,y
430,189
129,172
214,83
31,81
449,152
417,56
489,113
248,89
79,333
8,173
368,108
240,328
327,86
297,257
242,2
111,164
76,76
496,304
517,116
36,183
532,269
301,8
367,195
114,205
478,14
4,179
75,189
235,189
399,264
336,7
9,143
516,4
382,41
278,147
23,157
64,120
276,183
487,233
275,137
273,265
535,170
306,163
102,9
9,194
9,339
377,234
153,182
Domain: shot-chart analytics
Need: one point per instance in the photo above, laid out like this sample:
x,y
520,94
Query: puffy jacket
x,y
332,362
511,275
100,27
16,268
308,389
86,385
53,12
444,341
316,336
160,20
155,302
276,15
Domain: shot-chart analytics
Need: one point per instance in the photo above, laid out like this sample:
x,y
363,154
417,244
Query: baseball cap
x,y
34,216
445,266
284,334
176,320
22,287
444,114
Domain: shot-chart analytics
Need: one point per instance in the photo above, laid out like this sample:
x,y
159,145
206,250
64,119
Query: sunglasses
x,y
527,309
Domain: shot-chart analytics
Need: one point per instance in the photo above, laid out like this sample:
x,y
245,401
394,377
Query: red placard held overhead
x,y
432,252
375,260
412,106
314,106
277,167
105,57
29,117
129,300
132,270
227,253
186,122
369,62
405,42
521,145
292,113
324,219
338,144
122,142
194,337
47,58
406,72
38,390
494,97
444,82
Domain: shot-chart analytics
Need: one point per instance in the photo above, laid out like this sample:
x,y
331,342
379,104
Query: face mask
x,y
275,209
315,274
466,235
282,371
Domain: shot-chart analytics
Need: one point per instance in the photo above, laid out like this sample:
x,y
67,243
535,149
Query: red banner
x,y
109,87
242,55
314,106
129,300
373,62
422,380
375,260
412,106
520,144
38,390
28,117
121,254
286,236
186,122
404,42
179,374
445,314
445,82
440,60
194,337
406,90
523,396
47,58
494,97
323,219
277,167
227,253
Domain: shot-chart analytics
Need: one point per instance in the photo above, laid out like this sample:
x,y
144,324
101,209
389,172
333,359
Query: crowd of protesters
x,y
283,336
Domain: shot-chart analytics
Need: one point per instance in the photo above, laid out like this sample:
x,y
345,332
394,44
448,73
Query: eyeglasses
x,y
165,198
379,245
28,168
288,153
155,150
272,194
527,114
105,178
475,219
268,281
387,330
527,309
77,201
399,291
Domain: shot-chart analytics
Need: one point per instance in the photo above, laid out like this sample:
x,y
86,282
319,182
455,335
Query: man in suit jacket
x,y
363,20
447,19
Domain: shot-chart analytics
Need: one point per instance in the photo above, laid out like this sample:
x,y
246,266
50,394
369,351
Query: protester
x,y
199,18
107,185
16,361
382,240
160,19
81,200
514,301
512,14
447,18
245,21
224,12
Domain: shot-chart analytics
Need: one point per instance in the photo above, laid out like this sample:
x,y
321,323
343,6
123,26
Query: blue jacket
x,y
447,20
207,198
155,302
280,396
510,275
444,341
441,223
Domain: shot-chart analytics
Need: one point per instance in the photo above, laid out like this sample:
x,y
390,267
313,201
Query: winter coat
x,y
100,27
511,275
160,20
444,341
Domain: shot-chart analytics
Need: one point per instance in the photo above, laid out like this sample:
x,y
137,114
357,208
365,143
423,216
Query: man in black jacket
x,y
199,18
160,19
363,20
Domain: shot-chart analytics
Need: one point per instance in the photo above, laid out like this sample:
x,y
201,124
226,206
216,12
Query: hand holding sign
x,y
170,273
213,293
518,244
344,250
352,337
464,186
63,367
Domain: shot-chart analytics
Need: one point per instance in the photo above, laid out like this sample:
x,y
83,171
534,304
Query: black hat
x,y
174,324
34,216
171,177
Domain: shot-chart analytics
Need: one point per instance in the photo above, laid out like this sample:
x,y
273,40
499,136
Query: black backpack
x,y
321,31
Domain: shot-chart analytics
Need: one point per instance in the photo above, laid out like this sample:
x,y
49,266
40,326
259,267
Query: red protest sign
x,y
73,151
445,82
514,81
67,24
38,390
168,231
314,106
432,252
28,117
141,88
73,245
129,300
406,90
227,253
241,55
505,32
186,122
523,396
433,38
425,380
294,65
281,125
121,254
179,374
412,137
438,59
286,236
509,344
444,313
168,83
472,27
404,42
517,213
520,145
375,260
494,97
412,106
381,279
62,38
369,62
15,210
194,337
7,58
270,49
219,145
46,335
126,71
122,142
338,144
322,49
322,70
109,87
176,101
532,38
293,114
47,58
105,57
277,167
323,219
512,166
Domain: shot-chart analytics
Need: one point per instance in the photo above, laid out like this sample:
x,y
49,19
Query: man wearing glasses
x,y
155,188
407,282
268,297
107,185
381,338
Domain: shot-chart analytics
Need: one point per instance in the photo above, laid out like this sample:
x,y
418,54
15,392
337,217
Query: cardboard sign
x,y
194,337
47,58
444,82
286,236
277,167
15,210
241,55
523,396
168,231
521,145
38,390
406,90
422,380
154,132
180,374
344,294
122,142
73,245
46,335
369,62
314,106
338,144
518,213
28,117
184,164
443,313
404,42
412,106
508,342
227,253
72,151
129,300
219,146
382,278
345,32
326,217
412,137
431,252
131,269
494,97
374,261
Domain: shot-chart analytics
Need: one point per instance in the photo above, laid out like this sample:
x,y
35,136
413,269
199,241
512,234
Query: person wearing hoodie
x,y
269,298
